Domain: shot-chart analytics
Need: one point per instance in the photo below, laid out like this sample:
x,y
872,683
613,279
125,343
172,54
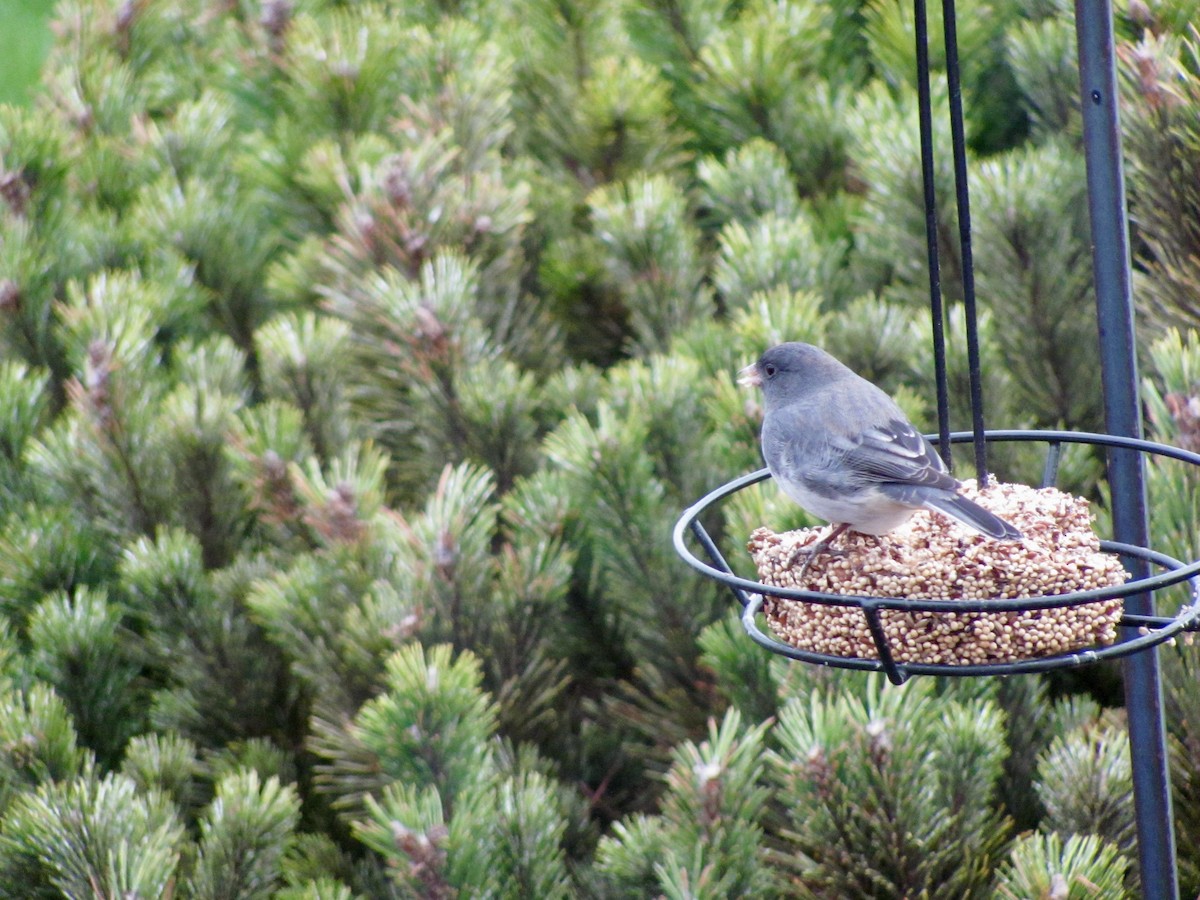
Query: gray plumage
x,y
843,449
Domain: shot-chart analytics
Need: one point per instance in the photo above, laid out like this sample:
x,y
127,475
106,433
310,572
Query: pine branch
x,y
883,800
87,836
78,647
1075,869
242,837
650,253
1085,783
1162,89
708,836
39,742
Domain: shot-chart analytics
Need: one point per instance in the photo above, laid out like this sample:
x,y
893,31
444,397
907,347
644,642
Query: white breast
x,y
867,512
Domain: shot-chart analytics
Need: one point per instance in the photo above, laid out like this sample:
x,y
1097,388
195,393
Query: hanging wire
x,y
963,202
963,199
936,306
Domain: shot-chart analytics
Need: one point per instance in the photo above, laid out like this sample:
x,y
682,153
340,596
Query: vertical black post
x,y
1122,412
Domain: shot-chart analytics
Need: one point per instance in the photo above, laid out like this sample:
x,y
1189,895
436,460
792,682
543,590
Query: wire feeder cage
x,y
1143,629
1140,631
1110,262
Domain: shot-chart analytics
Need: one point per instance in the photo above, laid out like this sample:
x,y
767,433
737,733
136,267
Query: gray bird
x,y
843,450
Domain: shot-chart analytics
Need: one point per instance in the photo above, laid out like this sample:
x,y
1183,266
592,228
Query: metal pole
x,y
1122,413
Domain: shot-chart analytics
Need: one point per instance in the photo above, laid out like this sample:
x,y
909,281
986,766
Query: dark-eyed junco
x,y
843,450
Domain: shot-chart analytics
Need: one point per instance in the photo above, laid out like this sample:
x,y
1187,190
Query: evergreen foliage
x,y
1085,783
708,840
1171,399
1079,868
873,804
1162,92
357,358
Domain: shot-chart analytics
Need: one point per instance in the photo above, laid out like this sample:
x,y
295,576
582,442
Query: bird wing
x,y
897,454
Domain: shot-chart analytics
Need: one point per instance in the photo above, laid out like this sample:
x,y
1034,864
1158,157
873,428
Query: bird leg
x,y
820,547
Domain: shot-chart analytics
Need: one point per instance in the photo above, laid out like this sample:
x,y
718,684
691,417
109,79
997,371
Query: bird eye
x,y
769,370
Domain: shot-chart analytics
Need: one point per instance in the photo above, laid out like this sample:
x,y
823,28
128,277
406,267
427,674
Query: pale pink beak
x,y
749,377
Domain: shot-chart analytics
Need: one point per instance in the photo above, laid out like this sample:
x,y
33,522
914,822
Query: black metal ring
x,y
1154,629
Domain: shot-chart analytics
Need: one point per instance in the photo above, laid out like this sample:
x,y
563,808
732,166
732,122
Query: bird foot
x,y
821,546
817,550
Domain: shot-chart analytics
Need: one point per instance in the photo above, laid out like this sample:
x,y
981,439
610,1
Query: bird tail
x,y
972,514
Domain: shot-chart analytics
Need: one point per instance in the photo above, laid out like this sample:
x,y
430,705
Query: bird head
x,y
790,369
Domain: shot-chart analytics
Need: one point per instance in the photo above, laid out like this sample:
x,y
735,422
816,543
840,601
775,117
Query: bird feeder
x,y
874,626
990,629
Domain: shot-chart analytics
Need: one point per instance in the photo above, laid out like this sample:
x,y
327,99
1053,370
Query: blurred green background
x,y
24,40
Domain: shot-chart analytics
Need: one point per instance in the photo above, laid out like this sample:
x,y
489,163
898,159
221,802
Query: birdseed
x,y
934,557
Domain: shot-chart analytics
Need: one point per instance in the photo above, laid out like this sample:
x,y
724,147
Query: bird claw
x,y
821,546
